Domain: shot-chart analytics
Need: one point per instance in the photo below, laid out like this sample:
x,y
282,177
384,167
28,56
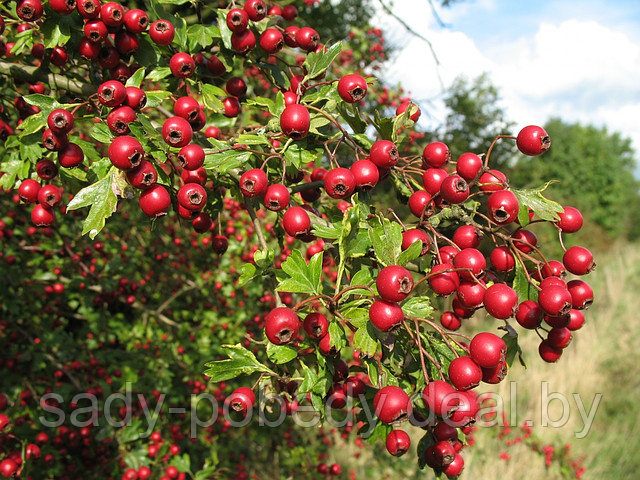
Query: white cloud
x,y
576,69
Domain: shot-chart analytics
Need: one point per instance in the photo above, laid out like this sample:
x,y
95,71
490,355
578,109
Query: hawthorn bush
x,y
188,183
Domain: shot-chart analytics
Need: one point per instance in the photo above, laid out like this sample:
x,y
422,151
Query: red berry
x,y
549,353
454,189
394,283
398,442
414,235
404,106
533,140
440,397
136,20
339,182
296,222
352,88
464,373
391,404
365,173
503,207
42,216
155,202
295,121
182,65
177,132
581,294
436,155
60,121
472,260
243,42
271,40
555,300
119,119
276,197
578,260
500,301
420,204
432,179
384,154
28,190
237,20
316,325
191,157
192,196
468,166
162,32
256,9
492,181
50,196
570,220
385,316
253,183
112,14
529,314
144,176
125,152
443,282
71,156
112,93
307,39
281,325
487,349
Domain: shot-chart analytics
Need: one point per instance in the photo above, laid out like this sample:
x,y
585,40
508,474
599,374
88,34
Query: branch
x,y
33,74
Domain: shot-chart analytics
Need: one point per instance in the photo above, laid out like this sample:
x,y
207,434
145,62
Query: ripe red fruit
x,y
524,240
60,121
191,157
112,14
570,220
443,282
339,182
296,222
231,107
432,179
487,349
533,140
295,121
177,132
29,10
394,283
50,195
471,294
237,20
440,397
125,152
503,207
578,260
494,375
385,316
529,314
391,404
54,142
471,259
112,93
119,119
468,166
182,65
404,106
281,325
436,155
42,216
398,442
241,400
8,467
384,154
576,320
271,40
136,20
96,32
455,467
236,86
553,269
467,236
155,202
307,39
253,183
144,176
88,8
276,197
365,173
220,243
28,190
243,42
316,325
256,9
555,300
581,294
500,301
454,189
136,98
414,235
352,88
549,353
70,156
450,321
559,337
126,43
466,410
492,181
420,204
46,169
464,373
162,32
192,196
88,49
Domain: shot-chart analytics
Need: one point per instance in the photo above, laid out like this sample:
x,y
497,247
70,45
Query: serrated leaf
x,y
101,133
521,284
181,462
280,354
544,208
247,273
240,362
101,198
223,161
358,317
136,79
158,73
225,33
410,254
384,126
317,63
365,340
386,238
246,139
202,35
33,123
210,99
337,335
45,102
327,231
156,97
296,276
419,307
298,154
351,115
402,120
513,348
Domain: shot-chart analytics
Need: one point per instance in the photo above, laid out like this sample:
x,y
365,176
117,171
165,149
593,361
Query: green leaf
x,y
245,139
202,35
156,97
351,115
317,63
275,74
181,462
362,140
384,126
210,99
101,133
33,123
544,208
158,73
136,79
358,317
240,362
327,231
310,378
45,102
225,33
386,238
55,31
223,161
180,24
425,442
513,348
379,433
247,274
299,154
521,284
297,276
101,198
365,340
402,120
410,254
280,354
419,307
337,335
23,42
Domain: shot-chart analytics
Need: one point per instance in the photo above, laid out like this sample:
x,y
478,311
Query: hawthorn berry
x,y
339,182
391,404
295,121
276,197
385,316
533,140
155,201
352,88
394,283
253,183
398,442
281,325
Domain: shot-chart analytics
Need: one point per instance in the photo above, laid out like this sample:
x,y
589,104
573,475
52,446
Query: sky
x,y
579,60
